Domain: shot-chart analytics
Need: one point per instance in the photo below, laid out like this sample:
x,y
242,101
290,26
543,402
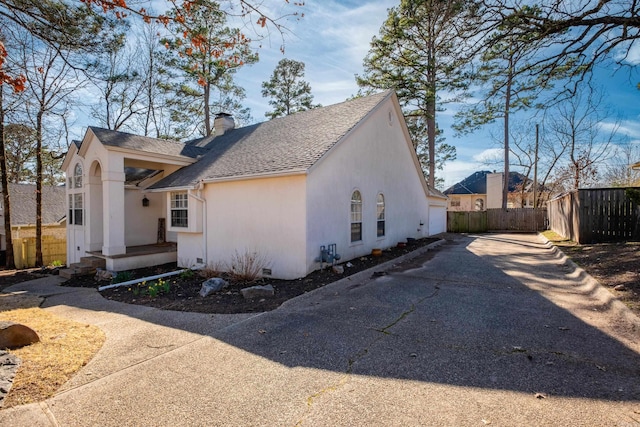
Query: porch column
x,y
113,213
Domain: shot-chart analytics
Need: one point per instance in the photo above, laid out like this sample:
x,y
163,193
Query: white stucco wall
x,y
266,216
375,158
141,223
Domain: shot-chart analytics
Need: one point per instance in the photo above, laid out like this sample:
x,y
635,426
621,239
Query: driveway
x,y
495,329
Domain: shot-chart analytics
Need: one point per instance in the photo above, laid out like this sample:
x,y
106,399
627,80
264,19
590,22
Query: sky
x,y
333,38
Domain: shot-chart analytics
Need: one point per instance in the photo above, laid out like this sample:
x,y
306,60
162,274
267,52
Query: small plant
x,y
165,286
122,276
153,289
56,263
247,266
187,274
211,270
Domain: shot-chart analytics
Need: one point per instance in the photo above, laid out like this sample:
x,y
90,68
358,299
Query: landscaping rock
x,y
338,269
620,288
14,335
257,292
106,275
8,367
212,285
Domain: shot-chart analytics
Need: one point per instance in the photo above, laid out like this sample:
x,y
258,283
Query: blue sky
x,y
332,40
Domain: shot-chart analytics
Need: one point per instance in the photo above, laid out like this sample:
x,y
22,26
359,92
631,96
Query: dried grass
x,y
65,347
247,266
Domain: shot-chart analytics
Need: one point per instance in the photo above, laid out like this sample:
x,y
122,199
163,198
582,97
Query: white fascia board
x,y
168,189
292,172
149,156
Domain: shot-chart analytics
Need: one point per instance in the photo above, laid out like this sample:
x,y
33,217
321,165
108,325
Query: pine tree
x,y
288,92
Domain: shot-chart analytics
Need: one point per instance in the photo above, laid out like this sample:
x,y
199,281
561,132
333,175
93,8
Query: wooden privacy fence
x,y
53,249
595,215
521,219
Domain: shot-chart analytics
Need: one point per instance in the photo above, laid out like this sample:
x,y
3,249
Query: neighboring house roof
x,y
477,183
112,138
23,204
284,145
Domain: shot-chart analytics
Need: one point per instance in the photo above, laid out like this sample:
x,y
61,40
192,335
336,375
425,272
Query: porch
x,y
140,256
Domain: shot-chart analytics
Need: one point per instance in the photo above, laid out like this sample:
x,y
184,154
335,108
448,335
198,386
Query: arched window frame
x,y
380,215
356,216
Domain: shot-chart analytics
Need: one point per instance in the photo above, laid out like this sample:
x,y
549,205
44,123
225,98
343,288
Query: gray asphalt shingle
x,y
280,145
23,204
144,143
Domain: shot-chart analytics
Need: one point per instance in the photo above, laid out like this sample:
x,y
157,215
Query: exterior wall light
x,y
145,201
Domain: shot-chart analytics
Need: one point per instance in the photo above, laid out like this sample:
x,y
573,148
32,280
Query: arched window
x,y
479,204
77,176
380,214
356,216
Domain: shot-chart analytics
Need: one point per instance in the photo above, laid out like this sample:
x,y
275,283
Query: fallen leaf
x,y
540,396
602,368
262,331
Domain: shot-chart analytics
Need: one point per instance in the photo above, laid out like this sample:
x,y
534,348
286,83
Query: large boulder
x,y
257,292
212,285
15,335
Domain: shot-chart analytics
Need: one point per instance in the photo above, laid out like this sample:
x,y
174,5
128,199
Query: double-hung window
x,y
179,209
75,209
356,216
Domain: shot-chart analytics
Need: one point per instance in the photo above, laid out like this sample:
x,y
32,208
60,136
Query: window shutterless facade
x,y
380,215
356,216
180,210
75,209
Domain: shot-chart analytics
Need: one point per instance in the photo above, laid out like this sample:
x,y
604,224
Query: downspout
x,y
202,200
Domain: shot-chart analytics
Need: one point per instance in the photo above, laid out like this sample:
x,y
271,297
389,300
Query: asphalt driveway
x,y
494,329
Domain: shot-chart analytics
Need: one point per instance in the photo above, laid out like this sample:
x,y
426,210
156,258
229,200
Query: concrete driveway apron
x,y
495,329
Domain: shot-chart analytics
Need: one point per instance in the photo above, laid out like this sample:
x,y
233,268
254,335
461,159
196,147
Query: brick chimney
x,y
222,123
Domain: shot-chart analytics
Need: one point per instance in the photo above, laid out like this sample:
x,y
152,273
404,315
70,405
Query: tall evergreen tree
x,y
288,92
419,53
209,56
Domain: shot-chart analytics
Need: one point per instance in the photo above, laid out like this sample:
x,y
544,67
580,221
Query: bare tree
x,y
573,35
50,83
576,126
618,171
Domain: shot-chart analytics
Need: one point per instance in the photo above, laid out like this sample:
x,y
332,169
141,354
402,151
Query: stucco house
x,y
343,175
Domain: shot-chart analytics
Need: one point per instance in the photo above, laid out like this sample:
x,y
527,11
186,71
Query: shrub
x,y
187,274
122,276
247,266
211,270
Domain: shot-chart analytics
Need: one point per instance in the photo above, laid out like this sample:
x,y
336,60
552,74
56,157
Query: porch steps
x,y
86,266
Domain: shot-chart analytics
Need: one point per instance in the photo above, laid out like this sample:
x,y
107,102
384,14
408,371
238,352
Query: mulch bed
x,y
183,294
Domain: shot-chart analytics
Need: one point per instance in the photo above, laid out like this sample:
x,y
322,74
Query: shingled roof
x,y
477,183
23,204
119,139
287,144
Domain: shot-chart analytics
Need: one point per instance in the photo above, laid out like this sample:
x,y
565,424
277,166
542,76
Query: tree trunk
x,y
507,105
39,260
10,262
431,108
207,114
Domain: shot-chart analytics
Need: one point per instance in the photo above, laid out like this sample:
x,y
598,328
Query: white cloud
x,y
630,128
490,156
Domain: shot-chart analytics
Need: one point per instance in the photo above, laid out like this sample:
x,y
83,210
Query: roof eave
x,y
278,174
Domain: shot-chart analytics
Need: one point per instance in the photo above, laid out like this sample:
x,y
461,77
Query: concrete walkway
x,y
495,329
